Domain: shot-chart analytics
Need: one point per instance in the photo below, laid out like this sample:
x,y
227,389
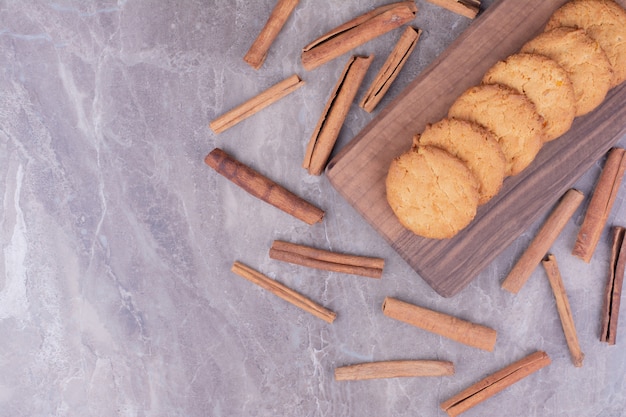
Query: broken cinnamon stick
x,y
262,187
256,104
542,242
467,8
563,308
258,51
461,331
393,369
613,289
600,204
390,69
283,292
495,383
326,260
327,130
357,32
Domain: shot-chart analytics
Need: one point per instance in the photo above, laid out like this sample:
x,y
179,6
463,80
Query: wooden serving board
x,y
358,172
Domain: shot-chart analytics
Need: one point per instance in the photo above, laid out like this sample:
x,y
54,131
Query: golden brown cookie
x,y
510,116
432,193
605,22
545,83
475,146
583,59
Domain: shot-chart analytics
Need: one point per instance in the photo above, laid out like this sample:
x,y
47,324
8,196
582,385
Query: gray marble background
x,y
116,296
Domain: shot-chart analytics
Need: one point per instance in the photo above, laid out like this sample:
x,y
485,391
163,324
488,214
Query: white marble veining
x,y
116,296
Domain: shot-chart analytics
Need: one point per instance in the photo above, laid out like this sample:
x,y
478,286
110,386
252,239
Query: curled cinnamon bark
x,y
356,32
326,260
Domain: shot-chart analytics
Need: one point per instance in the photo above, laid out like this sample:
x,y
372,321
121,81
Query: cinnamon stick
x,y
613,289
327,130
357,32
462,331
467,8
262,187
283,292
563,308
326,260
255,57
393,369
495,383
600,205
390,69
542,242
256,104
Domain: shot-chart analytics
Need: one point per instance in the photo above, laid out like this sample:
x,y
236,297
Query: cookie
x,y
509,115
586,63
605,22
432,193
545,83
475,146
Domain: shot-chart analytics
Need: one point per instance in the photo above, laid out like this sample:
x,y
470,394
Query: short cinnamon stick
x,y
542,242
393,369
357,32
390,69
563,308
495,383
255,57
256,104
613,289
262,187
462,331
327,130
467,8
600,204
283,292
326,260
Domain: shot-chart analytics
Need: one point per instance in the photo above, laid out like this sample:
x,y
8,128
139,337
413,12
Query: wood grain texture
x,y
358,172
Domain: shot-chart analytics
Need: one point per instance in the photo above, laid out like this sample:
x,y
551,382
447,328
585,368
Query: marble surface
x,y
116,296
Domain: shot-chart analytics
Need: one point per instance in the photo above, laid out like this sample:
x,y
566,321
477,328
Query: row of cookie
x,y
496,129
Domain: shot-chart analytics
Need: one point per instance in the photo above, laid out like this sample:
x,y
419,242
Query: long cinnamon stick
x,y
262,187
600,204
283,292
393,369
563,308
467,8
326,260
256,104
462,331
613,289
495,383
390,69
258,51
540,245
357,32
327,130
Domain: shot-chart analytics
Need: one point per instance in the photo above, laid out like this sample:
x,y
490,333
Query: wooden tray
x,y
358,172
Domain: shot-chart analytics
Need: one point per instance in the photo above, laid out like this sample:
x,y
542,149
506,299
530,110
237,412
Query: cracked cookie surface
x,y
432,193
545,83
510,116
602,20
475,146
586,63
